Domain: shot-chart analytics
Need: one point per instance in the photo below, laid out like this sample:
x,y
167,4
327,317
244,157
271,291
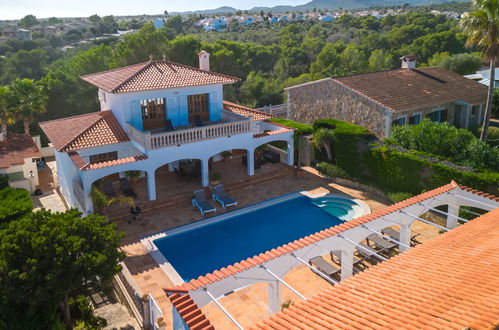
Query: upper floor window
x,y
104,157
439,116
153,108
398,122
198,106
414,119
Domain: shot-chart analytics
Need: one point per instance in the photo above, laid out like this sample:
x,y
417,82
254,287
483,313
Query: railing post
x,y
147,137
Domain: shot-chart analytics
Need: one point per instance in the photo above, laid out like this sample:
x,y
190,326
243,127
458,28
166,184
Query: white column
x,y
291,151
274,292
405,237
346,263
205,172
151,185
452,221
89,206
250,161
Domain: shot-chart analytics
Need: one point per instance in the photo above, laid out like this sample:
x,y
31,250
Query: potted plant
x,y
214,178
226,155
133,175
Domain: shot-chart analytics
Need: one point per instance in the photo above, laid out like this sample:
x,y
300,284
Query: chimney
x,y
204,60
408,61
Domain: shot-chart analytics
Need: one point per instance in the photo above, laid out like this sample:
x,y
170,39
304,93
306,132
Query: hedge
x,y
14,203
332,170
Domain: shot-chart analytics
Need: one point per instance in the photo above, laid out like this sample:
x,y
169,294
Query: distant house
x,y
327,18
18,154
43,30
14,33
380,100
158,23
483,77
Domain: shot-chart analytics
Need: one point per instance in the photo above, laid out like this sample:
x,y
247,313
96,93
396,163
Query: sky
x,y
15,9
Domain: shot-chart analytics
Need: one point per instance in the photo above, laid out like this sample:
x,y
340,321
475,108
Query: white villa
x,y
152,114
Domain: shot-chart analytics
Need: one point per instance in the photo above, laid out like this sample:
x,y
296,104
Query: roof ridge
x,y
140,70
73,117
115,69
82,132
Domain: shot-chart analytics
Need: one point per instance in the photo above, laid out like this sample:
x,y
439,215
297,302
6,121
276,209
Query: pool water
x,y
201,250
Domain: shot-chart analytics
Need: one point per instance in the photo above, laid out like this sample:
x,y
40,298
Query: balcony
x,y
231,124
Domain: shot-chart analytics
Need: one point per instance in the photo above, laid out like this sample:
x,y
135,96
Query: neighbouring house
x,y
18,156
154,114
42,30
14,33
483,77
380,100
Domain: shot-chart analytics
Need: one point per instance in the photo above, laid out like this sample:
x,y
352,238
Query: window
x,y
107,156
398,122
198,106
439,116
414,119
474,113
153,109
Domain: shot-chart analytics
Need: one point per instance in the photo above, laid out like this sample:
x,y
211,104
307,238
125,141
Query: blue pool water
x,y
201,250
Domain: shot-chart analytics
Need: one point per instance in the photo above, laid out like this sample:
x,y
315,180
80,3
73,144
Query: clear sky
x,y
15,9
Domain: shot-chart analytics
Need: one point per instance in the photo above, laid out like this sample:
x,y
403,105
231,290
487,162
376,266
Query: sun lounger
x,y
201,203
358,265
367,253
108,189
220,196
396,235
324,267
126,189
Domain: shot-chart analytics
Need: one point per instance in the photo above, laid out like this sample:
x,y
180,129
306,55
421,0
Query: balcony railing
x,y
236,125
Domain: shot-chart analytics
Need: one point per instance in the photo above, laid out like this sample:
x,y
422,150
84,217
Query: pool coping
x,y
148,240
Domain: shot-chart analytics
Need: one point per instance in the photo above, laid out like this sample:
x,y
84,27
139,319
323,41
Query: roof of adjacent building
x,y
410,89
84,131
189,312
83,165
245,111
15,148
449,282
155,75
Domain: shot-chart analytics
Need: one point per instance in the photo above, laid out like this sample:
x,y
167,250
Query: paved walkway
x,y
117,317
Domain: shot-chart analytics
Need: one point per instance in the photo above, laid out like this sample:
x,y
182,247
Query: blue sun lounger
x,y
220,196
201,203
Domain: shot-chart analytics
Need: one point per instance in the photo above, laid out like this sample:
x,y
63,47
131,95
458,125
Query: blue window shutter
x,y
136,115
172,112
215,111
184,112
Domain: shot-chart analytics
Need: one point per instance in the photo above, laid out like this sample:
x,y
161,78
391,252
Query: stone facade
x,y
327,99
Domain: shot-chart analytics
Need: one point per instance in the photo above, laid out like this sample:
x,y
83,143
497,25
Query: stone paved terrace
x,y
174,208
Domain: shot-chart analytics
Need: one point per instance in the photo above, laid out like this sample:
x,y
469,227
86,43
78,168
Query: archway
x,y
227,166
181,176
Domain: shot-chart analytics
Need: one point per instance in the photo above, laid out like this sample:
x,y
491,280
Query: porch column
x,y
405,237
274,292
250,161
88,208
291,152
151,185
205,172
347,263
451,219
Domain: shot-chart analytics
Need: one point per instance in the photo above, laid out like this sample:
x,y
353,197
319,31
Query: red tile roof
x,y
246,112
82,165
84,131
268,133
449,282
409,89
202,281
15,148
189,311
155,75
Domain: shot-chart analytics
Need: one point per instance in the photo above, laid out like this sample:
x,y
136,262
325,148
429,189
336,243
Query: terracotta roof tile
x,y
246,112
450,281
84,131
275,132
15,148
155,75
82,165
408,89
189,311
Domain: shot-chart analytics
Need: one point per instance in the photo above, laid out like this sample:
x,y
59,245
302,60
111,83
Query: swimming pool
x,y
211,245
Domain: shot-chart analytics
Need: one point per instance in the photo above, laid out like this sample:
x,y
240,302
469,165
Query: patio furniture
x,y
197,121
396,236
368,253
201,203
126,189
272,156
168,125
220,195
358,265
324,266
108,189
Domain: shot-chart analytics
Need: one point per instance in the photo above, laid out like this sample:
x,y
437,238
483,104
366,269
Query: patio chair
x,y
108,189
201,203
396,236
368,253
220,196
197,121
324,267
380,243
169,125
358,265
126,189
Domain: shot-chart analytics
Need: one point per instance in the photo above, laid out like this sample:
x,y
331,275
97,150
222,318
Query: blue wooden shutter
x,y
136,115
215,111
184,112
172,112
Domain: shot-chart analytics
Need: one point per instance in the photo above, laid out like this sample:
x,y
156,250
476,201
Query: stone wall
x,y
329,100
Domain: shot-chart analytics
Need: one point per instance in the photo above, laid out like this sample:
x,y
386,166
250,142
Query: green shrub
x,y
492,136
331,170
4,181
399,196
14,203
301,129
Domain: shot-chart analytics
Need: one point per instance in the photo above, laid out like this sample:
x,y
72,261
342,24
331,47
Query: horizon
x,y
53,8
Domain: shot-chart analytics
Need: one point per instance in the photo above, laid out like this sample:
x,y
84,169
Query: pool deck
x,y
271,181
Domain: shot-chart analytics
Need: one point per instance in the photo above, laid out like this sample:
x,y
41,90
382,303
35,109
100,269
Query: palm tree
x,y
6,117
28,101
323,138
482,26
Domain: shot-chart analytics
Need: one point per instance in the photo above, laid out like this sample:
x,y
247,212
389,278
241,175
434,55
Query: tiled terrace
x,y
173,208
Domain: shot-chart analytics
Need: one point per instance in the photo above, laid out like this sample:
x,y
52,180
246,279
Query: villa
x,y
155,114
